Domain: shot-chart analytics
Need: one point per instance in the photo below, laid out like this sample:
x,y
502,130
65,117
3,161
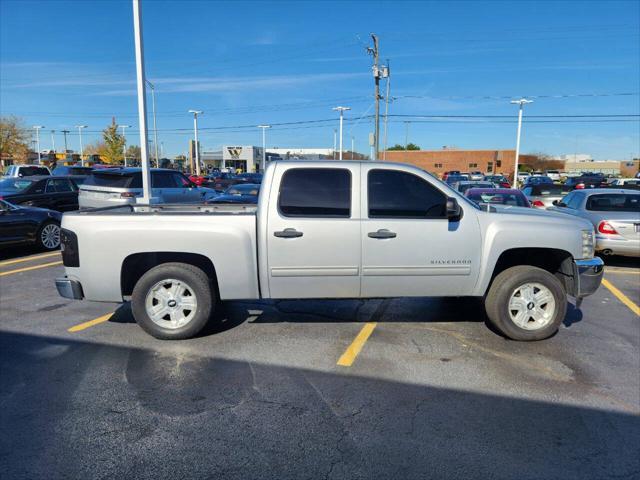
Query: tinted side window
x,y
315,192
395,194
162,180
59,185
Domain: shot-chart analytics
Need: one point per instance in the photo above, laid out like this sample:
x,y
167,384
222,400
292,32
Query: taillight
x,y
606,228
580,186
537,203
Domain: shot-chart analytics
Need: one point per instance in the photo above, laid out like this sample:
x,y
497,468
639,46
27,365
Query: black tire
x,y
503,286
43,243
200,287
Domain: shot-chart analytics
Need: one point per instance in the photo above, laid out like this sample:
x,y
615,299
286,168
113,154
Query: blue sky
x,y
248,63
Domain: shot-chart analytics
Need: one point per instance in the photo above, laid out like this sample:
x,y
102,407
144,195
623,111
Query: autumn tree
x,y
113,143
14,139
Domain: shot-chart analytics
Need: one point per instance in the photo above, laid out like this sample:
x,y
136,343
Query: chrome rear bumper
x,y
68,288
587,276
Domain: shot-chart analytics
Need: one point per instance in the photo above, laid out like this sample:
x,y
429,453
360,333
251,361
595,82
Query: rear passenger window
x,y
58,185
396,194
162,180
315,192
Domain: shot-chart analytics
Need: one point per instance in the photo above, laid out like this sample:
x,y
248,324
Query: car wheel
x,y
526,303
173,301
48,236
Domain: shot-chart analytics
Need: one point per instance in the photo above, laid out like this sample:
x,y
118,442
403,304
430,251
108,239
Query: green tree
x,y
14,139
113,144
413,146
410,146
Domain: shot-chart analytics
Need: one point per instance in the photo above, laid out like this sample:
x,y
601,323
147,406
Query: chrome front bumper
x,y
587,276
68,288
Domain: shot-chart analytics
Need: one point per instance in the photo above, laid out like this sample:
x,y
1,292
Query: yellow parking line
x,y
90,323
28,259
350,354
621,296
622,272
26,269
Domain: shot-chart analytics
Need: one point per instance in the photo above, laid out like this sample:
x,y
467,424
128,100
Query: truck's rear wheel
x,y
526,303
173,301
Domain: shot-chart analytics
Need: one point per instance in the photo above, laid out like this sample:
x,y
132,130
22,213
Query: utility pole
x,y
80,127
521,103
264,146
124,136
341,110
386,110
65,141
376,75
406,135
53,141
197,145
37,129
155,128
335,141
352,142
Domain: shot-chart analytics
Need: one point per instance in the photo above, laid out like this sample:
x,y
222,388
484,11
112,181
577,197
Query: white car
x,y
27,170
553,175
619,182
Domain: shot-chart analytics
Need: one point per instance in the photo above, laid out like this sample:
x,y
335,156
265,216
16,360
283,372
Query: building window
x,y
438,165
489,167
498,163
473,165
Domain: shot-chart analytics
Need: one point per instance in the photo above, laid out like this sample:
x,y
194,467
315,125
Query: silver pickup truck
x,y
331,230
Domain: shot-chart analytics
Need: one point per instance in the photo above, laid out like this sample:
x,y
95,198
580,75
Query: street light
x,y
124,145
264,146
195,130
522,102
80,127
155,129
53,141
37,128
341,110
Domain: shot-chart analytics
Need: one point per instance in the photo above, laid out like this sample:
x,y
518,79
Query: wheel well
x,y
136,265
555,261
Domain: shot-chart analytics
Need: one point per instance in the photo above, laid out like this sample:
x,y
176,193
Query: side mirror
x,y
454,212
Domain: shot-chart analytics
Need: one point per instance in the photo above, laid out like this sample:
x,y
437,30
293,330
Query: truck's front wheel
x,y
172,301
526,303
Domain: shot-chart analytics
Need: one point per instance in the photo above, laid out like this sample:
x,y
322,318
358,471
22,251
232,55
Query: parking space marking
x,y
623,272
28,259
621,296
34,267
350,354
90,323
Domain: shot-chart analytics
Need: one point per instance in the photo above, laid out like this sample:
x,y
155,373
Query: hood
x,y
537,213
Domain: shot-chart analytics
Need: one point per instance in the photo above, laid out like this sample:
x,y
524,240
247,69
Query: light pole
x,y
64,132
335,141
406,135
53,141
155,129
195,133
352,143
341,110
124,145
522,102
80,127
264,145
37,129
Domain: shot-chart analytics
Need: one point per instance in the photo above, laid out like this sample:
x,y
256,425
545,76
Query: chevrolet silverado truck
x,y
331,230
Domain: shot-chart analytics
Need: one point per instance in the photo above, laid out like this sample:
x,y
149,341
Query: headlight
x,y
587,244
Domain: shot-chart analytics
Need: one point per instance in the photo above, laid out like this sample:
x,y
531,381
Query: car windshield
x,y
614,202
499,198
14,184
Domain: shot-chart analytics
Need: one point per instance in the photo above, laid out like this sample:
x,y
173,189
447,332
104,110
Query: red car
x,y
197,179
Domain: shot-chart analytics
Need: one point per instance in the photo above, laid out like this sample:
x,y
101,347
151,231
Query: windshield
x,y
614,202
14,184
499,198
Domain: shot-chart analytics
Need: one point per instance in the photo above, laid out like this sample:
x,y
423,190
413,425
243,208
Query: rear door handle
x,y
288,233
382,233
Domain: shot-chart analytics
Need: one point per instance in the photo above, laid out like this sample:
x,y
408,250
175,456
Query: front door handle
x,y
382,233
288,233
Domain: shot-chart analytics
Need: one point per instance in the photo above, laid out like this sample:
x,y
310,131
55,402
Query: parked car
x,y
249,177
240,193
121,186
199,180
52,192
522,176
331,229
75,170
499,196
476,175
622,182
586,181
463,186
543,195
27,170
615,214
451,179
553,175
29,225
500,180
445,175
537,180
222,181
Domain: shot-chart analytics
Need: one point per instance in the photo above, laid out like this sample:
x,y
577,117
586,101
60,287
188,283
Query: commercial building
x,y
623,168
302,153
447,159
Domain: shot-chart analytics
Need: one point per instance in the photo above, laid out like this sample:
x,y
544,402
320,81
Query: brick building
x,y
440,161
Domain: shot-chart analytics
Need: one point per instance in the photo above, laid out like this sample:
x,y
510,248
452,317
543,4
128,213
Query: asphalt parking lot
x,y
400,388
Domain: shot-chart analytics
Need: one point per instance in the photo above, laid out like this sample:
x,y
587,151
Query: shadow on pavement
x,y
9,253
82,410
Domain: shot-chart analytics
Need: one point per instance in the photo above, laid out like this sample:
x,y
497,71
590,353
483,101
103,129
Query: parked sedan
x,y
222,181
499,196
476,175
451,178
537,180
586,181
463,186
543,195
52,192
614,213
75,170
29,225
500,180
241,193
